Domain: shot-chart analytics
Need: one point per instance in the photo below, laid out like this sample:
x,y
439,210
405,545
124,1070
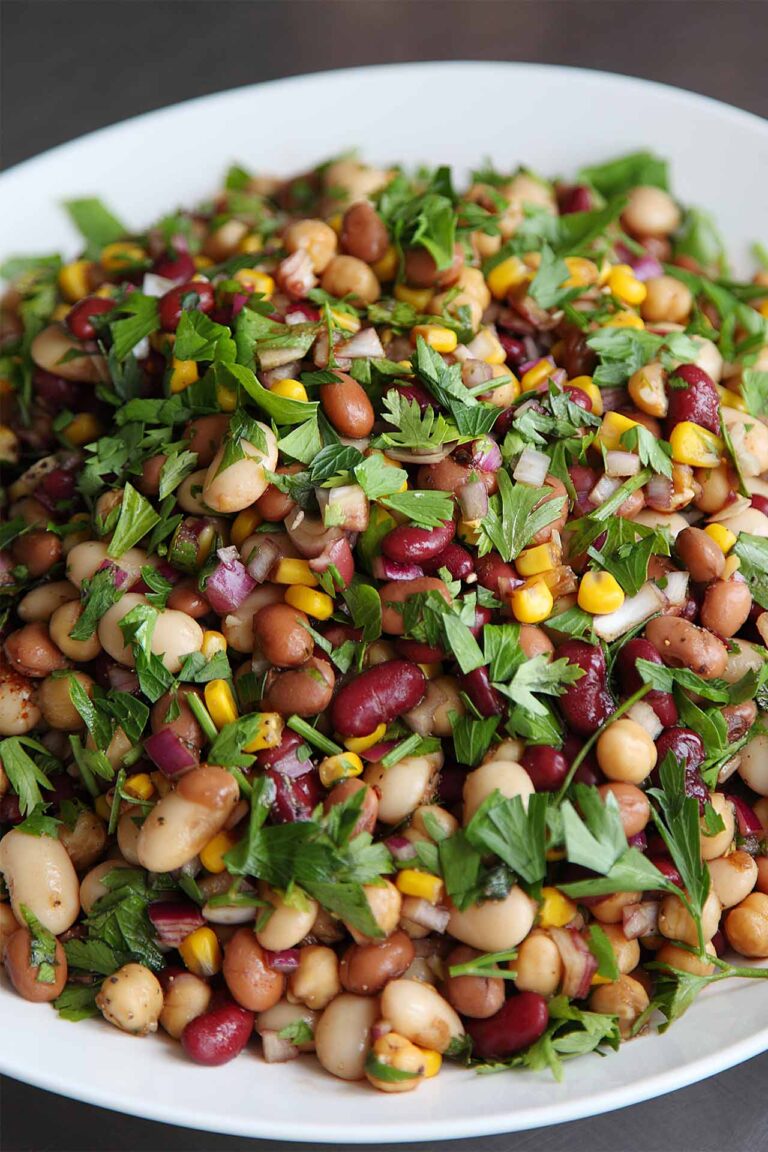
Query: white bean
x,y
509,778
496,925
92,886
417,1011
186,819
175,634
86,558
189,494
287,924
343,1035
714,846
40,876
187,998
404,786
239,485
42,602
753,766
19,711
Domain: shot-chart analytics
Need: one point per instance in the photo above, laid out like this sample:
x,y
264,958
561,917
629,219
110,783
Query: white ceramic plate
x,y
553,119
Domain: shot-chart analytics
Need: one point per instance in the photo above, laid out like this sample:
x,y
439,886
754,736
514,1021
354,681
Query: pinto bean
x,y
700,554
185,725
726,606
366,969
683,645
31,652
398,591
205,436
364,233
253,984
369,812
305,691
37,551
421,268
281,636
25,976
347,406
475,996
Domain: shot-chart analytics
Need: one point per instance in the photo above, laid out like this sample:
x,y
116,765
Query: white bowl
x,y
552,119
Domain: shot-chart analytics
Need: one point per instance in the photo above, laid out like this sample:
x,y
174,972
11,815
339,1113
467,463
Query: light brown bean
x,y
42,602
539,966
187,818
363,233
37,551
25,976
61,623
86,842
251,981
700,554
131,999
367,968
683,645
726,607
475,996
31,652
347,406
281,635
398,591
625,998
56,702
305,691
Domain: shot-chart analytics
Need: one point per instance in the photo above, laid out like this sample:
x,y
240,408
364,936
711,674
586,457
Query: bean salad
x,y
384,611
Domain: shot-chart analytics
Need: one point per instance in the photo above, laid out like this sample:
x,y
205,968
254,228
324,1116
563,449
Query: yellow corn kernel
x,y
201,952
431,670
612,429
82,429
600,593
270,732
102,807
763,309
730,399
624,284
212,855
316,604
220,703
251,243
226,397
510,273
73,280
598,979
433,1062
140,785
534,561
583,272
405,366
624,320
345,320
533,602
386,268
213,642
732,565
295,572
587,385
536,375
439,338
290,389
722,536
339,767
555,910
202,262
694,445
60,312
422,885
121,255
419,298
244,524
468,531
255,281
336,222
363,743
183,373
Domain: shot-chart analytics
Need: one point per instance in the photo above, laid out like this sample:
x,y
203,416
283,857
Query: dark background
x,y
69,66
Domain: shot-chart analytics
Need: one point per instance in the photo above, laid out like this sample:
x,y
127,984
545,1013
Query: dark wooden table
x,y
69,66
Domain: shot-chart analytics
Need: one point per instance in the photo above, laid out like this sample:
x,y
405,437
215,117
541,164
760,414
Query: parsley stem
x,y
581,756
489,385
405,748
202,715
134,755
245,785
312,736
486,965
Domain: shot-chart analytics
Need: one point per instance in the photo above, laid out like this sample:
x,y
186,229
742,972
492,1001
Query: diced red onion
x,y
644,715
746,817
285,371
287,960
645,267
386,569
639,840
239,301
229,583
380,1028
302,313
603,490
532,467
364,345
676,588
262,560
429,916
376,752
271,358
339,555
633,611
473,500
345,506
640,919
613,398
621,463
485,455
559,377
173,920
309,535
123,679
579,965
659,492
119,575
170,754
276,1049
401,848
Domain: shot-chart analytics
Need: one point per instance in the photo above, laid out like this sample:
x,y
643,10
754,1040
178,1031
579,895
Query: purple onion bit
x,y
170,754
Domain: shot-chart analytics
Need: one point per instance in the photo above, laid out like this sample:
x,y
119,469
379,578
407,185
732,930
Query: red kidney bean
x,y
453,557
483,616
688,749
514,349
219,1035
337,634
574,198
520,1021
295,797
419,653
10,810
663,703
283,757
175,266
588,772
490,569
193,296
79,318
761,503
377,696
481,692
56,392
668,869
418,393
408,545
577,397
696,400
587,703
547,767
450,784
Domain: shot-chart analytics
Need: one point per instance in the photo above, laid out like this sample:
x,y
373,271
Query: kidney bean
x,y
688,749
175,266
295,797
366,969
306,690
192,296
587,703
421,268
684,645
547,767
56,393
588,771
283,757
666,866
696,400
521,1020
347,406
79,318
490,569
726,606
417,392
379,695
408,545
663,703
37,551
363,233
456,559
217,1036
700,554
574,198
395,592
419,653
760,503
366,821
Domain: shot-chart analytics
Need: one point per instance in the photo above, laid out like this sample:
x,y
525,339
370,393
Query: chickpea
x,y
251,981
539,966
714,846
394,1051
676,923
625,998
475,996
667,299
509,778
384,902
418,1012
314,237
348,276
634,808
61,623
432,816
186,998
726,606
281,635
686,961
627,952
651,212
746,926
224,241
288,923
25,976
342,1035
31,652
496,925
131,999
19,712
366,969
56,702
316,980
355,179
625,752
733,877
610,909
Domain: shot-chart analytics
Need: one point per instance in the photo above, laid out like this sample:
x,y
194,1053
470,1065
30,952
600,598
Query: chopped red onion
x,y
633,611
645,267
287,960
309,535
603,490
154,285
401,848
613,398
262,559
485,454
173,920
579,965
746,817
339,555
229,583
676,588
386,569
429,916
170,754
364,345
621,464
276,1049
640,919
659,493
376,752
473,500
526,367
532,467
123,679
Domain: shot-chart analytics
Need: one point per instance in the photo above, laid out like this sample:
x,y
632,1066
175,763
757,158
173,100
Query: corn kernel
x,y
345,320
212,855
431,670
694,445
102,807
763,309
597,979
140,785
203,262
290,389
433,1062
536,375
213,643
624,320
244,525
533,602
316,604
600,593
250,244
468,531
722,536
73,280
336,222
419,298
553,854
183,373
534,561
295,572
226,397
555,910
386,268
220,703
363,743
122,255
510,273
612,429
254,281
82,429
340,767
731,399
587,385
624,284
60,312
437,337
201,952
583,272
422,885
270,733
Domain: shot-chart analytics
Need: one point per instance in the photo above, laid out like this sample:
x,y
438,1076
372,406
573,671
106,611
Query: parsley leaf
x,y
26,777
699,239
654,454
602,950
95,223
513,518
99,593
137,627
137,518
200,338
513,832
424,509
42,948
571,1032
540,674
364,604
754,389
472,738
752,551
77,1002
547,287
140,319
626,172
414,429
